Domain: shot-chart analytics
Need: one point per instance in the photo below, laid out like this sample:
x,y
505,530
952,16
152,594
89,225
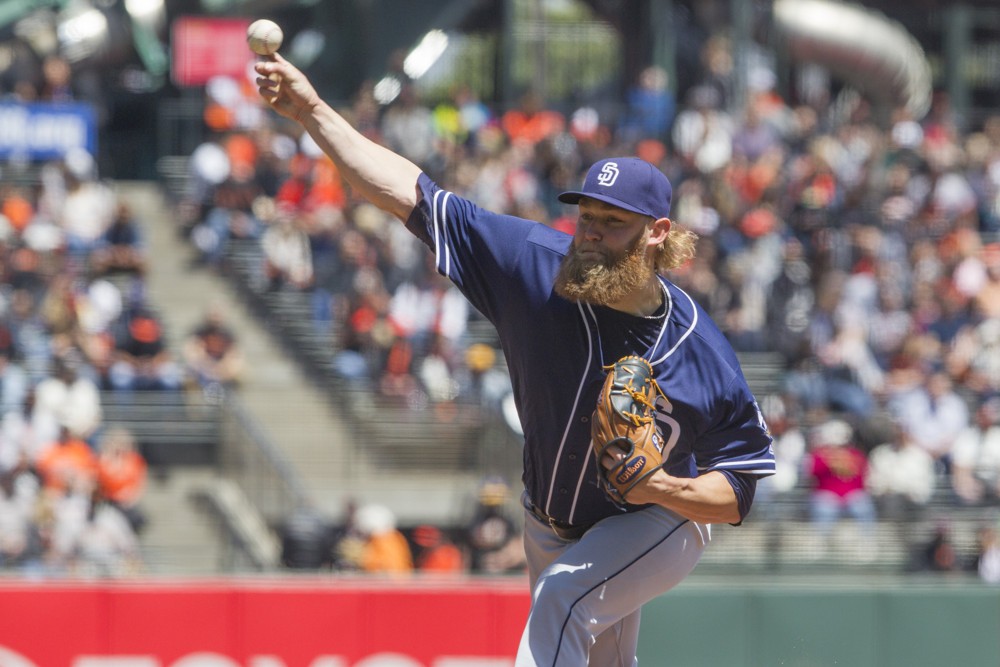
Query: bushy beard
x,y
603,283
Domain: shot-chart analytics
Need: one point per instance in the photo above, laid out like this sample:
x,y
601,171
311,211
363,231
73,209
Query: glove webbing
x,y
640,398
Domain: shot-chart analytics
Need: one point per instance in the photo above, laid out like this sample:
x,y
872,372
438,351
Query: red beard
x,y
603,282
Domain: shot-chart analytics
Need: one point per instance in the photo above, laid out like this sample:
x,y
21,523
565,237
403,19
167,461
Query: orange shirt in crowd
x,y
436,554
442,558
62,463
532,126
387,553
121,477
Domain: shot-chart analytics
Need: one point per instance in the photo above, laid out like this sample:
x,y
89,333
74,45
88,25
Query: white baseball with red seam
x,y
264,37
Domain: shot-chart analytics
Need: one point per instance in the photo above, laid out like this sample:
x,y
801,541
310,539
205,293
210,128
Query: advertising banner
x,y
329,623
46,131
204,47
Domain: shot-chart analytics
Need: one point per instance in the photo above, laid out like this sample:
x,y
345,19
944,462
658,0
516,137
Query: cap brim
x,y
574,197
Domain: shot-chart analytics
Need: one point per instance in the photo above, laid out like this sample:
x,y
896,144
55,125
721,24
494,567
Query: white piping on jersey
x,y
737,465
731,464
569,423
666,318
694,323
590,446
438,222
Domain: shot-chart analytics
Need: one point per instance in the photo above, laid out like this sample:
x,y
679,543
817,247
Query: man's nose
x,y
591,231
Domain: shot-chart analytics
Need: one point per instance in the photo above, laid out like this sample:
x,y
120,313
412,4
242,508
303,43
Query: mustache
x,y
603,281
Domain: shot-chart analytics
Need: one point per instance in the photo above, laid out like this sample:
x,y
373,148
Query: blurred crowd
x,y
75,323
855,250
368,540
70,484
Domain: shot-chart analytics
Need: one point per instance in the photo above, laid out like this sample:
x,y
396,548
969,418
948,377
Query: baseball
x,y
264,37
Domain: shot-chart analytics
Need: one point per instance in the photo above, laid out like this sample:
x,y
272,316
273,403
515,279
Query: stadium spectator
x,y
397,380
480,380
66,401
57,80
975,357
230,214
650,107
307,540
975,458
99,309
347,540
987,298
367,336
953,317
839,471
67,464
32,340
213,357
901,476
142,359
435,552
106,545
790,299
407,127
492,538
702,132
530,122
13,382
790,447
18,446
287,252
84,535
57,308
436,371
121,250
987,559
429,308
385,549
933,415
88,207
122,474
889,325
19,542
938,553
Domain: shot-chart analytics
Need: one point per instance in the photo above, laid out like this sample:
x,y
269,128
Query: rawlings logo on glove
x,y
625,416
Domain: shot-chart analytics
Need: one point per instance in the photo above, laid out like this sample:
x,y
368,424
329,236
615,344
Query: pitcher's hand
x,y
285,88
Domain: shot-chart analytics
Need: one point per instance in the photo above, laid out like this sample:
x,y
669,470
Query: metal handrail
x,y
251,458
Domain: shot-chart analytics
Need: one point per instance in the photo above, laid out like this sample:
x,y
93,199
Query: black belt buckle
x,y
563,531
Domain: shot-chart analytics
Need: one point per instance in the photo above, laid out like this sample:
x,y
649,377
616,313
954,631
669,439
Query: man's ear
x,y
658,231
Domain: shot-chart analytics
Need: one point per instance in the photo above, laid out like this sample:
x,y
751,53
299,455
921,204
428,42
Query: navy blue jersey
x,y
556,351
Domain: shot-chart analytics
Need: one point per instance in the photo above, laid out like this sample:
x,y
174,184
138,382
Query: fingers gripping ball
x,y
625,417
264,37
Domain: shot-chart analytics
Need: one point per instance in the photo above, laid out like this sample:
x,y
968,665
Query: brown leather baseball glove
x,y
625,416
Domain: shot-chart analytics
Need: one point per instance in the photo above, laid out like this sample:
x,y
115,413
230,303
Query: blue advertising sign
x,y
46,131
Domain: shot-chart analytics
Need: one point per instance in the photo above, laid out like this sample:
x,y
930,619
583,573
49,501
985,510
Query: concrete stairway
x,y
179,540
275,391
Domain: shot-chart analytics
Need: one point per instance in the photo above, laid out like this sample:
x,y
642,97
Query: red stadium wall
x,y
309,623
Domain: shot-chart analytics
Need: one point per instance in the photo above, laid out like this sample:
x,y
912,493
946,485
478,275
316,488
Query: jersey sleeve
x,y
475,248
740,441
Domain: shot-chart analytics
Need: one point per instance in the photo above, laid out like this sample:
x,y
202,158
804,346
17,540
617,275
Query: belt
x,y
563,530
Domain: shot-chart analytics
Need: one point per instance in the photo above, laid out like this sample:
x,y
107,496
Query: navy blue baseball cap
x,y
626,182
